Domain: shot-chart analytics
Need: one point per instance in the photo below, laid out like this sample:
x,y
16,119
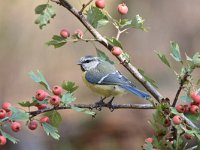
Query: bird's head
x,y
88,62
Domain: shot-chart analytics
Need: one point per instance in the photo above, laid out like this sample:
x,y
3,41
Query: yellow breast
x,y
104,90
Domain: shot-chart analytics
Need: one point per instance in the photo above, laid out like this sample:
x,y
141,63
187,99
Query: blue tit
x,y
103,78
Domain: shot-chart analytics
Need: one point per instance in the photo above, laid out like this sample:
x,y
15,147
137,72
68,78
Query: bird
x,y
103,78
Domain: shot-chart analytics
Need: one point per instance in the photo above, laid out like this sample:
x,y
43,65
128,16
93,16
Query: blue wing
x,y
115,78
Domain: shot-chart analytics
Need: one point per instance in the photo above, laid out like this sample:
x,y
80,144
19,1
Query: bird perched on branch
x,y
103,78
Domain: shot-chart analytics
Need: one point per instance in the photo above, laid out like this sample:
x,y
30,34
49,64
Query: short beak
x,y
79,63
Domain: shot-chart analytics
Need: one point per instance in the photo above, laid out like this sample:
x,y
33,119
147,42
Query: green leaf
x,y
175,52
163,58
174,111
198,82
149,146
69,86
18,115
148,78
196,60
57,41
9,137
186,99
45,12
39,78
193,117
83,110
50,130
68,98
96,17
137,22
55,118
115,42
103,56
27,103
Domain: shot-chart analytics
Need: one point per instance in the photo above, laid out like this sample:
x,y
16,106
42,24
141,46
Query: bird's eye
x,y
87,61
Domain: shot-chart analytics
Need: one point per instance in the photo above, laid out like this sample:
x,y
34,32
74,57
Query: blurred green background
x,y
22,49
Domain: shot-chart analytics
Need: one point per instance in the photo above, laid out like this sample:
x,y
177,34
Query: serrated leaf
x,y
188,58
68,98
9,137
39,78
83,110
149,146
40,8
137,22
45,12
163,58
55,118
193,117
115,42
124,22
18,114
69,86
103,56
196,60
174,111
50,130
186,99
27,103
175,52
96,17
57,41
151,81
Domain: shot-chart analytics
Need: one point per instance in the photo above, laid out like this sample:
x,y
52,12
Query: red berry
x,y
16,126
55,100
9,114
197,99
44,119
149,140
6,106
41,106
79,33
2,113
180,108
188,136
32,125
100,4
192,94
199,56
116,51
194,109
64,33
177,120
41,95
122,9
2,140
57,90
167,123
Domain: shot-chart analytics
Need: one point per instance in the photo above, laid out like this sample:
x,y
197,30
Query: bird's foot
x,y
110,105
100,104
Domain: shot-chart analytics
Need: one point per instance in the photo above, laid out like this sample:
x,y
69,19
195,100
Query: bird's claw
x,y
110,105
100,104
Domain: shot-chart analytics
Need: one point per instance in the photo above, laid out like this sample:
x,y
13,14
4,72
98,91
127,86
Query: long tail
x,y
136,91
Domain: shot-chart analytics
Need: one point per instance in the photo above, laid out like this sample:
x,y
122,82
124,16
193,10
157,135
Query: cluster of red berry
x,y
65,33
5,112
40,95
122,8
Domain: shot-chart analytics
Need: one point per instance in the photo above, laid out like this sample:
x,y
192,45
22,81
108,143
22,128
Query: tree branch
x,y
96,106
182,82
104,42
85,5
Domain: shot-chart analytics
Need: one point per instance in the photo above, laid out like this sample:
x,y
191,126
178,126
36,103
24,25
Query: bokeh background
x,y
22,49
